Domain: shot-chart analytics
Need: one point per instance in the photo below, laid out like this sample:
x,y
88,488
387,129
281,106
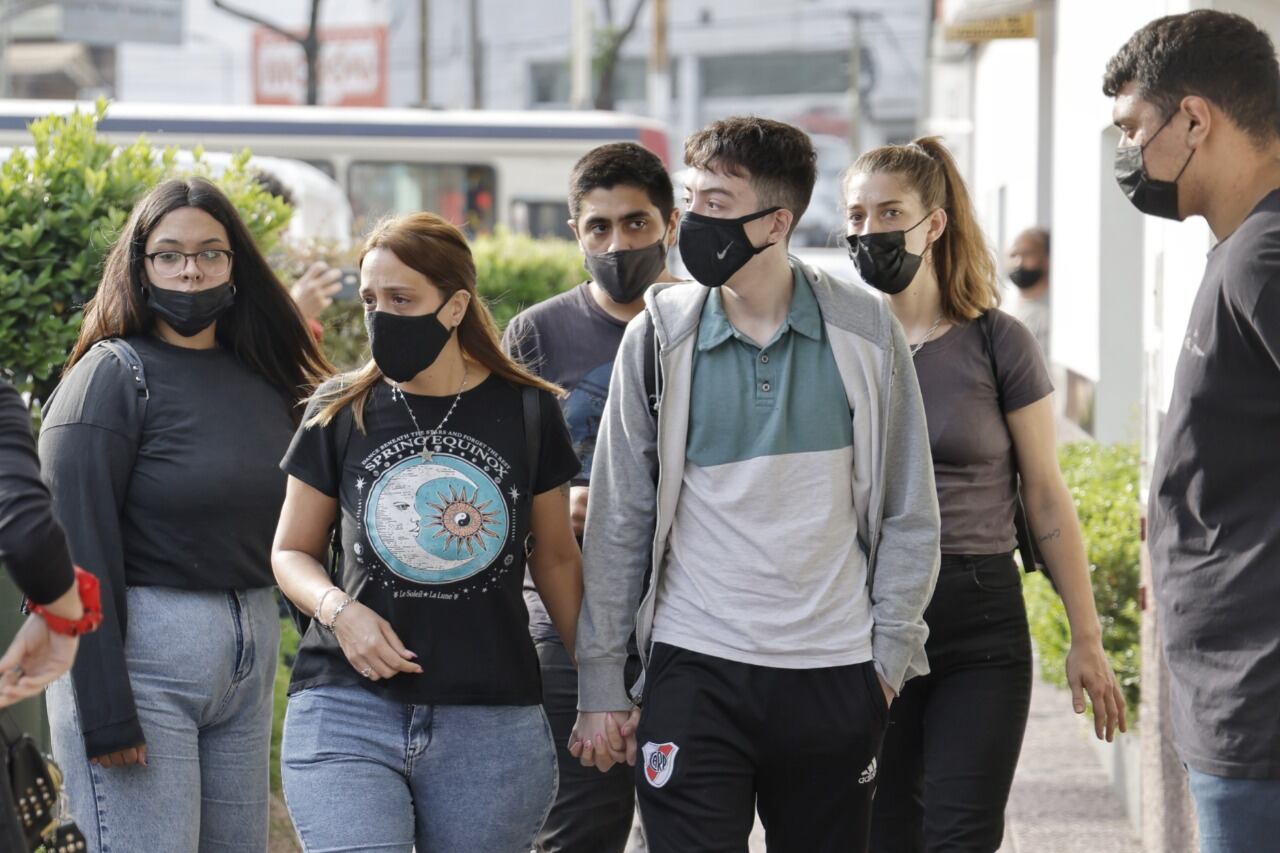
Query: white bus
x,y
479,169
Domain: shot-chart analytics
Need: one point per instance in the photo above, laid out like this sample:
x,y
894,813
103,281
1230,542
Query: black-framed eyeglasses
x,y
211,262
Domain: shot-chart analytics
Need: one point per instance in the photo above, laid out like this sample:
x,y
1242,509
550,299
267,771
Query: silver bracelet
x,y
320,605
333,620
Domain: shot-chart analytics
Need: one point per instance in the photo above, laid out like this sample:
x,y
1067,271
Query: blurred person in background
x,y
623,214
160,446
1197,102
1028,270
955,734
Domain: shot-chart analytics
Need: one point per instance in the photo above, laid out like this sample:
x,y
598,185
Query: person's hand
x,y
371,644
602,739
123,758
35,658
889,695
314,292
578,508
1088,671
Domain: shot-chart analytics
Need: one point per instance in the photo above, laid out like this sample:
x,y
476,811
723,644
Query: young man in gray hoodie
x,y
782,497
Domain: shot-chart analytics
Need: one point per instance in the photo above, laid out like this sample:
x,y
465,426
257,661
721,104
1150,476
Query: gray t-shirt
x,y
571,341
973,459
1215,512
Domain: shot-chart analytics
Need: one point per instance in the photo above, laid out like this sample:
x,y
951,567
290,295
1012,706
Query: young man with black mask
x,y
1201,137
783,499
622,211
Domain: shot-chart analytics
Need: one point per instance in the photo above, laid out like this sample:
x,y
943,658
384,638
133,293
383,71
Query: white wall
x,y
1005,138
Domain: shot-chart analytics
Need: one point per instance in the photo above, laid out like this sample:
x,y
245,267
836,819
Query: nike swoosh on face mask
x,y
720,254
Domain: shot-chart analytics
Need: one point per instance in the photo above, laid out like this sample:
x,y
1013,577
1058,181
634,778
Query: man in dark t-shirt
x,y
1202,137
622,210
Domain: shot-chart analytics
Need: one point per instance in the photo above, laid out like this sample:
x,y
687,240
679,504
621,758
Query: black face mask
x,y
1150,196
882,259
190,313
626,273
714,249
1022,277
403,346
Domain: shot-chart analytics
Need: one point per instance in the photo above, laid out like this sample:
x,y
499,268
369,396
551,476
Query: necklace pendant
x,y
427,455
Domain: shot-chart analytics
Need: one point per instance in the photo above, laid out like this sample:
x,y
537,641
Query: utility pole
x,y
580,97
477,56
660,66
424,53
855,83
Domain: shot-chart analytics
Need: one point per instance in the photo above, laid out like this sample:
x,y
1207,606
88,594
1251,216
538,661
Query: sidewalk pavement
x,y
1061,800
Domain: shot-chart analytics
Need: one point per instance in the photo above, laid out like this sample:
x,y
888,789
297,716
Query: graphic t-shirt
x,y
571,341
433,538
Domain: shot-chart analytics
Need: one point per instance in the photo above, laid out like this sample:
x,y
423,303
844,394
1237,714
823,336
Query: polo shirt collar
x,y
803,316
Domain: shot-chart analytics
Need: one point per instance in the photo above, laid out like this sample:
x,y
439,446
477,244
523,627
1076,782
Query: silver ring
x,y
367,671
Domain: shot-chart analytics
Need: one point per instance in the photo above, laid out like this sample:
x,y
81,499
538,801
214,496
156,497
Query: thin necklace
x,y
426,454
915,349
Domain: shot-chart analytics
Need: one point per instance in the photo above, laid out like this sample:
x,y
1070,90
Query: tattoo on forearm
x,y
1056,533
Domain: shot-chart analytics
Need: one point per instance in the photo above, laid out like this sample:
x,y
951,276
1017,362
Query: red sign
x,y
352,68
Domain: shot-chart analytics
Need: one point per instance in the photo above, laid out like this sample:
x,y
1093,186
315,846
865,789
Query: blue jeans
x,y
202,666
1236,815
363,772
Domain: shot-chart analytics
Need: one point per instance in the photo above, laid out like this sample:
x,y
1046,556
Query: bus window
x,y
325,166
464,195
541,219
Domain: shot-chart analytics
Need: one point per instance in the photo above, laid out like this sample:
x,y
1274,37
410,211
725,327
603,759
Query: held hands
x,y
601,739
578,508
371,645
35,658
1089,671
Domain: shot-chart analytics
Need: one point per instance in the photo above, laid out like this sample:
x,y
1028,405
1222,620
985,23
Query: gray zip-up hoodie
x,y
639,463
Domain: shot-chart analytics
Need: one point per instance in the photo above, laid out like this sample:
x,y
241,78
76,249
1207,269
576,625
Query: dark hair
x,y
271,182
964,265
777,159
621,164
263,328
430,245
1041,235
1218,56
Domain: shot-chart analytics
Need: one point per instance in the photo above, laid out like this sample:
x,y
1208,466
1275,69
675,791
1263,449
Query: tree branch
x,y
631,22
262,22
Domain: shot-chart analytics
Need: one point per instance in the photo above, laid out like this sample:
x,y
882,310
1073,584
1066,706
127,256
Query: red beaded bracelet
x,y
90,598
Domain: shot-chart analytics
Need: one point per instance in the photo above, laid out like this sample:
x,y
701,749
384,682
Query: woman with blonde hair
x,y
414,711
954,736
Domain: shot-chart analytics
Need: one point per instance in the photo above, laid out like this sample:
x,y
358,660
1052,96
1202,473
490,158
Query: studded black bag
x,y
31,813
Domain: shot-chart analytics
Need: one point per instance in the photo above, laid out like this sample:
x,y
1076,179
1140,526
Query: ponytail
x,y
964,265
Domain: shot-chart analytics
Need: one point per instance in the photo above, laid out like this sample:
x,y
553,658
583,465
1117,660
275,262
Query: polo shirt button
x,y
764,358
766,387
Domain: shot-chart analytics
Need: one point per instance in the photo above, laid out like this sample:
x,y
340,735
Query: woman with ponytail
x,y
415,705
953,741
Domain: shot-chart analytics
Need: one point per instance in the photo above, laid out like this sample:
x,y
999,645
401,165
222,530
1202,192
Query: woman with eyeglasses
x,y
161,447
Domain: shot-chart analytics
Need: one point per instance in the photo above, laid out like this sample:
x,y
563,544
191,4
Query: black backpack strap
x,y
128,356
652,367
1027,551
531,401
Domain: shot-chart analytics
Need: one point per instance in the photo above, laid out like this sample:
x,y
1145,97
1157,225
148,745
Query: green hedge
x,y
512,273
62,205
1104,485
